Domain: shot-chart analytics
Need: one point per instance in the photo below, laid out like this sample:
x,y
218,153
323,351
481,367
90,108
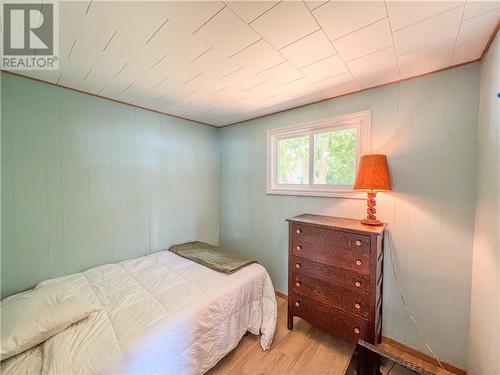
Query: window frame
x,y
361,121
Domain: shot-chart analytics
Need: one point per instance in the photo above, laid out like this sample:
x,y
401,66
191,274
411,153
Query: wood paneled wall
x,y
484,340
86,181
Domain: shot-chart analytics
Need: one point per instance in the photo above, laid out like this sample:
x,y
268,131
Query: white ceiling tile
x,y
302,86
73,74
154,64
241,79
325,68
405,13
145,53
139,72
213,64
119,52
193,14
379,78
82,52
279,106
96,81
431,31
91,75
309,49
147,93
68,13
313,4
260,90
337,80
373,62
285,23
342,88
479,26
477,7
469,50
339,18
258,56
245,105
96,31
138,22
274,98
294,102
367,40
427,59
215,32
110,85
474,35
250,10
73,19
281,74
116,55
179,44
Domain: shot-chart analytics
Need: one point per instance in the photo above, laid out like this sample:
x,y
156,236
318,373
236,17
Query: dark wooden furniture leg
x,y
368,362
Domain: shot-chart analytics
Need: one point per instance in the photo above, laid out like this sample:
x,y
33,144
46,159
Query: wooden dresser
x,y
335,276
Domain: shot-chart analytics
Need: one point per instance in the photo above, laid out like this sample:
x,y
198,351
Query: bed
x,y
161,314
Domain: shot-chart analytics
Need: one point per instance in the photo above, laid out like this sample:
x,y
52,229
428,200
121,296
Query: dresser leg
x,y
368,362
290,322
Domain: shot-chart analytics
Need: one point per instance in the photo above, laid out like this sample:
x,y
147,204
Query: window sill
x,y
351,194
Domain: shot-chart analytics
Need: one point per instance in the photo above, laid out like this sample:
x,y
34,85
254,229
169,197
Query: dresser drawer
x,y
341,298
332,247
334,276
341,325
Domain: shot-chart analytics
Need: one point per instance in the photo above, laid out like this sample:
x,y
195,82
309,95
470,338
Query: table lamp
x,y
372,176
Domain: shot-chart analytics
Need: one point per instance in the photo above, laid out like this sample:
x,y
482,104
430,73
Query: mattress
x,y
161,314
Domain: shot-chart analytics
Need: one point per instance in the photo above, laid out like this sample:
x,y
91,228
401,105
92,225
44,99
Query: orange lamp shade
x,y
373,174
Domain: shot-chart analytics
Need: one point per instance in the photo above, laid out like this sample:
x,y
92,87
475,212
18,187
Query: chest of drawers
x,y
335,276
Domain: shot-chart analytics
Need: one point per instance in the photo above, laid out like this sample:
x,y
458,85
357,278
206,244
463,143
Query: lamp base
x,y
371,222
371,219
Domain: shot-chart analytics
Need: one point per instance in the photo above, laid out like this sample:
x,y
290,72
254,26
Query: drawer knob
x,y
299,247
358,243
299,231
358,262
356,331
298,283
297,304
358,284
297,265
357,306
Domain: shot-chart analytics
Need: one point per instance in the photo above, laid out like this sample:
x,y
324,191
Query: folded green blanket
x,y
212,257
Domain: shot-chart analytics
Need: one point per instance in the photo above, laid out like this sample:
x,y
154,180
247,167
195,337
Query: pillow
x,y
30,318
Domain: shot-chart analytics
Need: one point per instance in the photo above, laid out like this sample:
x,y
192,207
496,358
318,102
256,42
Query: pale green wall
x,y
427,126
87,181
485,298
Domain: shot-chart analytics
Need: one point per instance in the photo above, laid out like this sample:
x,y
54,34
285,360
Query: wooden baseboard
x,y
282,295
407,349
423,356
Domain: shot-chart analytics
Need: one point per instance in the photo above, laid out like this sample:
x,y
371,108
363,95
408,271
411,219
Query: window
x,y
317,159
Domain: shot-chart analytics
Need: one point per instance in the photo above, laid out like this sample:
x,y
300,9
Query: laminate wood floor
x,y
305,350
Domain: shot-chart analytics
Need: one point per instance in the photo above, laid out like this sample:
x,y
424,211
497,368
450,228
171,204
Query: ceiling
x,y
225,62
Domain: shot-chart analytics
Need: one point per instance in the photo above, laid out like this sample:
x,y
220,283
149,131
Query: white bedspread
x,y
162,314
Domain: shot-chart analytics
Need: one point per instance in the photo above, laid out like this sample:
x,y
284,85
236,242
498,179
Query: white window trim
x,y
360,120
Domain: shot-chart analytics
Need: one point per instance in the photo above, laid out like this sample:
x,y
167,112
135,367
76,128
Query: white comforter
x,y
162,314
